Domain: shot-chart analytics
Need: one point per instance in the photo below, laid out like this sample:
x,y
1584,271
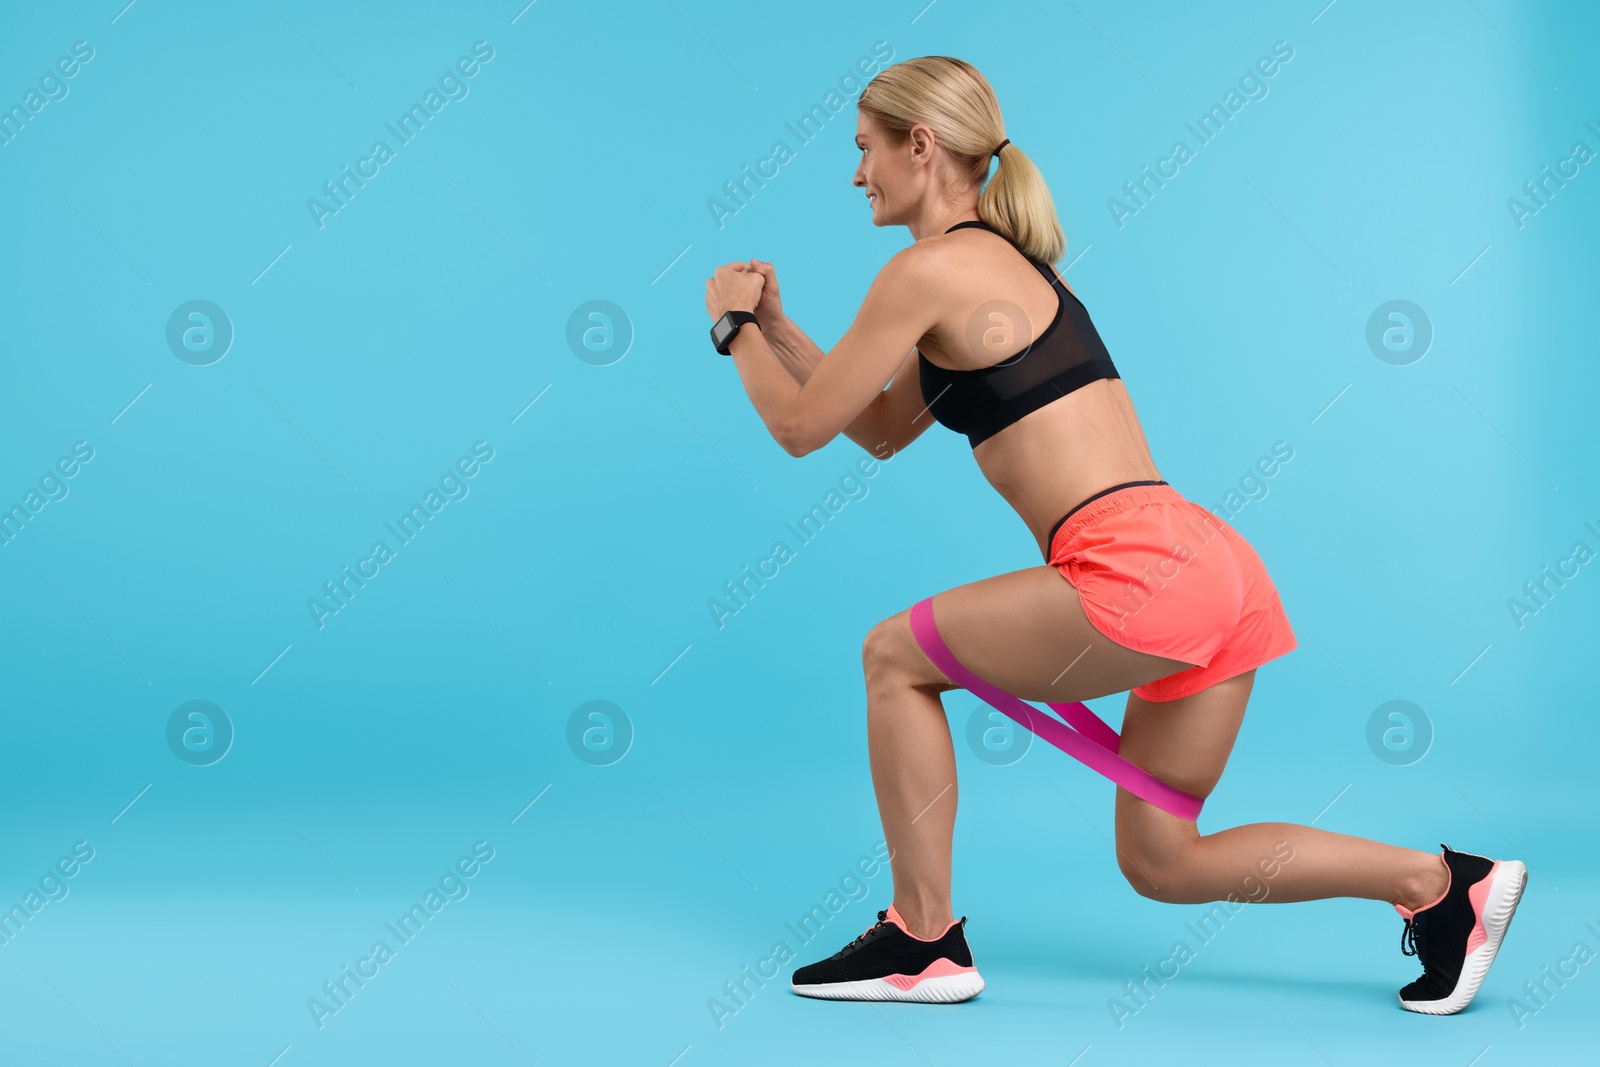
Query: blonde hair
x,y
951,98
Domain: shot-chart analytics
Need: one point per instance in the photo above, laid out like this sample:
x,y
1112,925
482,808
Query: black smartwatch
x,y
725,328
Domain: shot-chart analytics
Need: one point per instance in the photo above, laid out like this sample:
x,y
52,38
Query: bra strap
x,y
1092,742
1042,268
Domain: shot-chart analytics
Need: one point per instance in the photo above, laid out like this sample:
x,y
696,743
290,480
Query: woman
x,y
1159,597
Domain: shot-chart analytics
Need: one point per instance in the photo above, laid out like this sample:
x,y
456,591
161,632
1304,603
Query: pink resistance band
x,y
1088,739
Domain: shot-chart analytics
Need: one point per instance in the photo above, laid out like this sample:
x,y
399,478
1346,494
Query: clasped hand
x,y
742,286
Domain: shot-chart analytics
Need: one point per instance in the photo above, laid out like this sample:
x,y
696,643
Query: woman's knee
x,y
1157,856
1153,880
890,655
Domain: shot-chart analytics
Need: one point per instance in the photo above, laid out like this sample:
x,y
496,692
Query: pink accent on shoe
x,y
894,917
1479,895
939,968
1449,876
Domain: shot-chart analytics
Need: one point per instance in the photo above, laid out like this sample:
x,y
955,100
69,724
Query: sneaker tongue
x,y
893,916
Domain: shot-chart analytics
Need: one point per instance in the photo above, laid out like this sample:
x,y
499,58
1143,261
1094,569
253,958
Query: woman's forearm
x,y
772,391
800,355
797,352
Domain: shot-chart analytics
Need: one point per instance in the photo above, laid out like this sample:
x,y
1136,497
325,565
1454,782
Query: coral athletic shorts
x,y
1161,574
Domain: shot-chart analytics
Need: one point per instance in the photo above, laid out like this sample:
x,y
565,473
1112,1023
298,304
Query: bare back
x,y
1054,457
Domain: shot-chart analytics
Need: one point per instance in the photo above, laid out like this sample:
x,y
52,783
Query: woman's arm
x,y
772,391
800,355
841,386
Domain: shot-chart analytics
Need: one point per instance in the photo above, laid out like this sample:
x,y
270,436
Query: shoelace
x,y
1412,935
882,918
1416,927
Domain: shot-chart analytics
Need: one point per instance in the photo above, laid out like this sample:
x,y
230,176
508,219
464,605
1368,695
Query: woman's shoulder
x,y
915,269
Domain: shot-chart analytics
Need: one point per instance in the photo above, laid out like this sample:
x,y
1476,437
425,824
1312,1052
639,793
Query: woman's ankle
x,y
923,921
1425,887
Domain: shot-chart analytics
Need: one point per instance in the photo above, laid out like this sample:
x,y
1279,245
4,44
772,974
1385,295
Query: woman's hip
x,y
1158,573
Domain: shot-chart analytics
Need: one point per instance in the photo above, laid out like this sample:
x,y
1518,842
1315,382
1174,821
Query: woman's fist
x,y
733,287
771,307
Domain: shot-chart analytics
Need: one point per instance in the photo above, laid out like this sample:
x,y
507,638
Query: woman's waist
x,y
1077,500
1129,515
1077,521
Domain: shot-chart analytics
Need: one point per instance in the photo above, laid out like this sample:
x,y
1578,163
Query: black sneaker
x,y
1456,937
887,963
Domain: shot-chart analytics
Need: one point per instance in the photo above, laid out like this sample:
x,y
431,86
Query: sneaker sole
x,y
1505,891
945,989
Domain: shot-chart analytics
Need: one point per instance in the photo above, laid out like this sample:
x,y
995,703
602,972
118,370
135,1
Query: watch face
x,y
722,331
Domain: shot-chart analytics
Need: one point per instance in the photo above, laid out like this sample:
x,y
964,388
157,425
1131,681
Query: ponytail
x,y
1018,204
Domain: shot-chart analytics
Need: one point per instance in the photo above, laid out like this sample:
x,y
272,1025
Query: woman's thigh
x,y
1025,632
1185,743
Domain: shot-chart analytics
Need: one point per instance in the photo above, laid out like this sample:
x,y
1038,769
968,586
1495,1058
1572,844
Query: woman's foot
x,y
888,963
1456,936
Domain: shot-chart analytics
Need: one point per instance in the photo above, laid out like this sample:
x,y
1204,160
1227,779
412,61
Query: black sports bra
x,y
980,403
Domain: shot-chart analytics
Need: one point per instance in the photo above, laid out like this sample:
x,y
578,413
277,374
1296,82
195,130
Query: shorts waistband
x,y
1108,502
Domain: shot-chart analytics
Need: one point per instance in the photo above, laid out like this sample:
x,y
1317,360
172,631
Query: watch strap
x,y
736,320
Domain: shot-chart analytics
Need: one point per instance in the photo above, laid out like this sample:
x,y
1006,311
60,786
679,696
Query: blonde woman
x,y
1140,590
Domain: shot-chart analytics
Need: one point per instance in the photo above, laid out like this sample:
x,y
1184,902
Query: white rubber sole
x,y
946,989
1505,890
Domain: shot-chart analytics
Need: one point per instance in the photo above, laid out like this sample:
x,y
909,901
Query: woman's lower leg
x,y
914,776
1286,862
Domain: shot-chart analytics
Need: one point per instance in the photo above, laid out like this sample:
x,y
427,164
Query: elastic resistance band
x,y
1088,739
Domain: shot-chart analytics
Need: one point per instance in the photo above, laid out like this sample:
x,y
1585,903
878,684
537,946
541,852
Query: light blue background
x,y
427,314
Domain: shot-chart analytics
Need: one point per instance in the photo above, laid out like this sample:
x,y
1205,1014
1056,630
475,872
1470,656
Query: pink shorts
x,y
1161,574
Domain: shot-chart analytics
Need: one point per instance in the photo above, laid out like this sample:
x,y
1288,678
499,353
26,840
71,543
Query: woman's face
x,y
892,174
